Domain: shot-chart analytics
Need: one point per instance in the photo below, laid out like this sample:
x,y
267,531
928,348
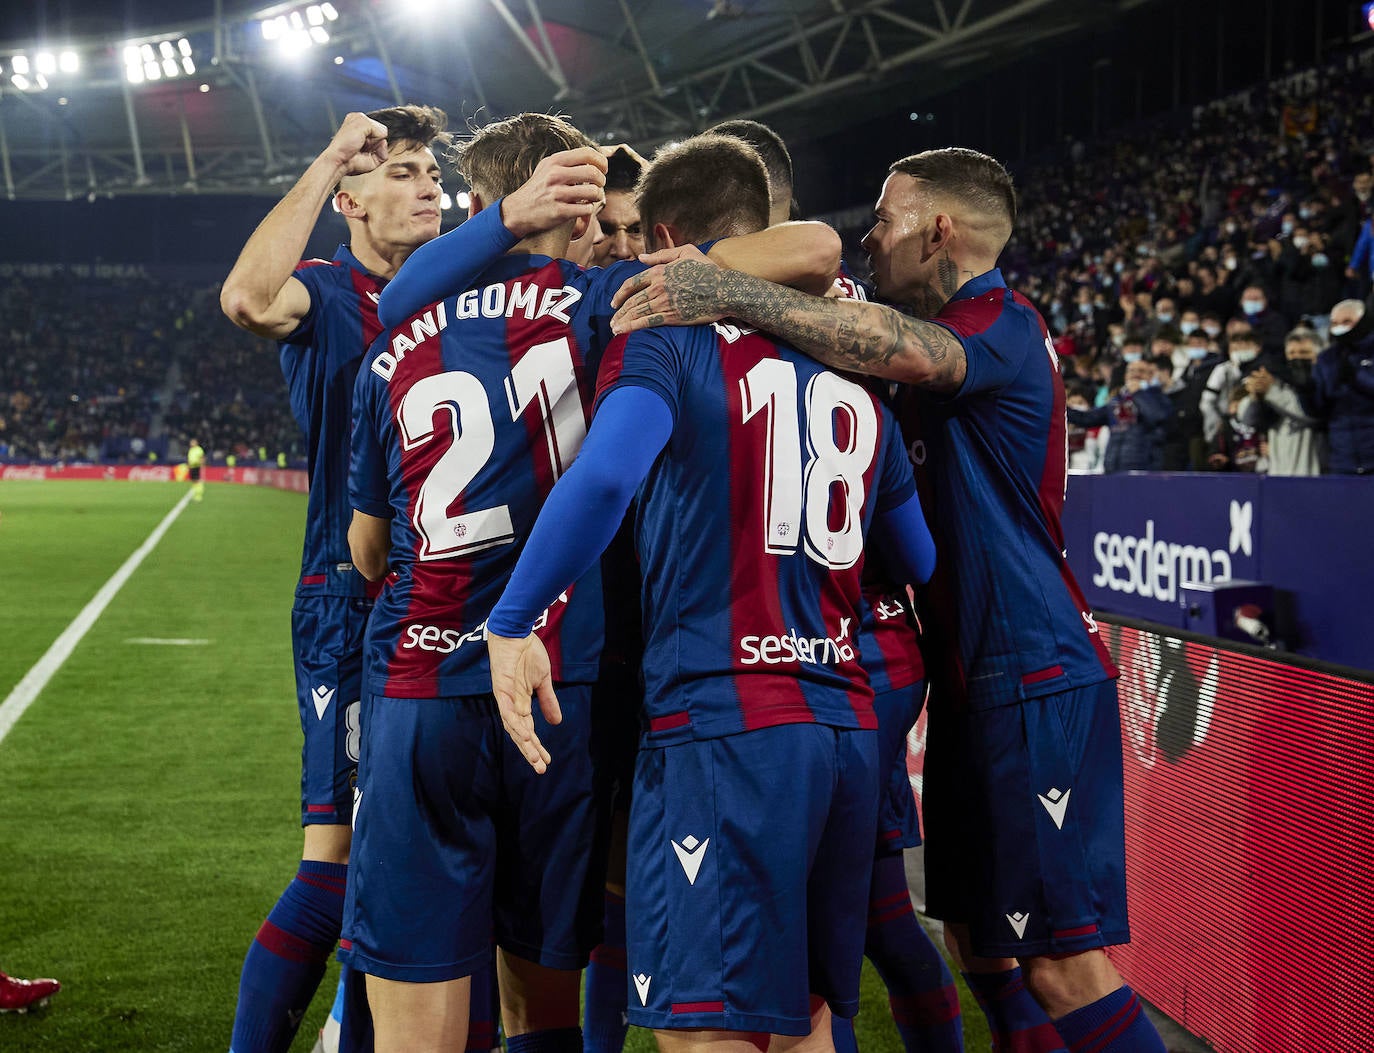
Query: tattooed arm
x,y
846,334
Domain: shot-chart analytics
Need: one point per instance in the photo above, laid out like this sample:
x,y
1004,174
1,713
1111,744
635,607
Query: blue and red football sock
x,y
1018,1022
287,959
1114,1024
606,992
920,987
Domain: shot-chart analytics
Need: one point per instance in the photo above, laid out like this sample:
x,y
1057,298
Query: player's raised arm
x,y
564,187
861,337
577,522
260,295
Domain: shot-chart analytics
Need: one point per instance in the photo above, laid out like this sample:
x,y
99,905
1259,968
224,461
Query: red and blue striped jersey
x,y
465,416
320,362
888,641
997,460
750,529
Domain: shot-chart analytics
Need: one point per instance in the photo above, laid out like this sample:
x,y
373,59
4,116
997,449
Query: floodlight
x,y
295,31
46,62
464,199
20,64
167,58
68,62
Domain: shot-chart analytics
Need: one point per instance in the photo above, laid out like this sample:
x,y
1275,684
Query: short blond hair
x,y
499,157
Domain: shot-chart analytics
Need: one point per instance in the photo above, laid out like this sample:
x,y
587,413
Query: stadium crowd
x,y
1189,274
117,391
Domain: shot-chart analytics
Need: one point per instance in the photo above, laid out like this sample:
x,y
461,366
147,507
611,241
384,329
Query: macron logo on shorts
x,y
1056,802
642,983
1018,923
321,696
690,854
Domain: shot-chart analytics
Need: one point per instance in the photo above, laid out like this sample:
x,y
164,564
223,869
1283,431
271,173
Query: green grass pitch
x,y
151,793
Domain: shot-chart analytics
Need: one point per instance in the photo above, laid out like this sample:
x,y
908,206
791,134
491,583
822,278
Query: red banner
x,y
281,478
1249,844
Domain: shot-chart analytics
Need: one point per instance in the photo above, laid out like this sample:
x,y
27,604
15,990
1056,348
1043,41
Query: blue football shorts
x,y
327,640
899,825
457,840
1025,823
750,858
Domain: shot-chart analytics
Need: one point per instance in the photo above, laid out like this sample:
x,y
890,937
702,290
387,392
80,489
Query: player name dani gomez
x,y
492,301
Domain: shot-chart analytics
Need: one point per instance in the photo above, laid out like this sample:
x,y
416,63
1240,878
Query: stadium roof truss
x,y
253,105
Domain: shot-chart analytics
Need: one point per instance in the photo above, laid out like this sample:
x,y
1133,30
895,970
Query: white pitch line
x,y
173,641
37,678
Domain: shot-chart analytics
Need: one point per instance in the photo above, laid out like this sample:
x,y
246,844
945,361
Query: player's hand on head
x,y
359,145
564,186
682,287
520,671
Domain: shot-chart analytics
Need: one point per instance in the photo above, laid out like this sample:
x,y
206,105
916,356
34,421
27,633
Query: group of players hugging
x,y
605,637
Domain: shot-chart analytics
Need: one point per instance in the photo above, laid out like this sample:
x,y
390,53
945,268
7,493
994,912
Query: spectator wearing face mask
x,y
1320,282
1137,416
1165,319
1343,392
1086,446
1132,350
1185,447
1189,322
1211,326
1243,357
1281,406
1267,323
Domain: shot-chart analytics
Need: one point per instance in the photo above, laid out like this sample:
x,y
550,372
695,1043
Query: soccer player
x,y
464,418
777,160
381,174
621,237
921,991
759,474
1038,879
195,459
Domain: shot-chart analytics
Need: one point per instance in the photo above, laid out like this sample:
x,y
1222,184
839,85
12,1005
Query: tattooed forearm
x,y
847,334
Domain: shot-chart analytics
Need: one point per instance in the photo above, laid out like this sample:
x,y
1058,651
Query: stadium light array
x,y
31,74
298,30
163,60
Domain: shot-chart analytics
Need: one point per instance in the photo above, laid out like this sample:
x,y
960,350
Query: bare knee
x,y
1063,984
960,945
535,997
327,843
